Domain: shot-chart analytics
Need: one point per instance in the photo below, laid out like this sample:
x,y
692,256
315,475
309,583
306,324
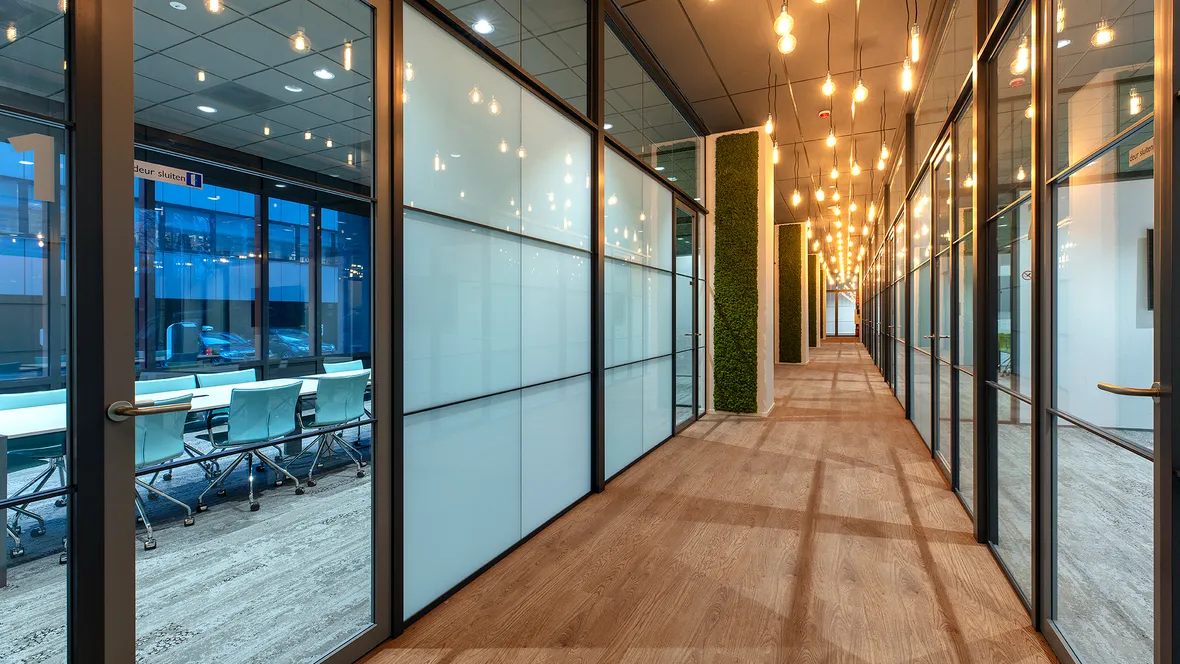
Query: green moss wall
x,y
735,274
812,300
791,265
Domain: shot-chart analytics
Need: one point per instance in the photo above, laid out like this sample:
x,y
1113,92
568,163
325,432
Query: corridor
x,y
822,534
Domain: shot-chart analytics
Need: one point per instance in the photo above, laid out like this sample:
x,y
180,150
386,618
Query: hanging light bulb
x,y
307,135
784,23
819,194
475,95
299,42
907,76
1020,175
1103,34
405,97
860,93
831,138
266,131
1021,61
884,151
855,168
880,163
201,75
787,43
409,71
494,106
836,195
872,214
828,87
796,199
328,143
774,154
437,162
348,59
503,145
815,247
915,44
521,152
1060,15
829,237
214,6
1136,102
835,173
769,126
852,208
969,181
837,223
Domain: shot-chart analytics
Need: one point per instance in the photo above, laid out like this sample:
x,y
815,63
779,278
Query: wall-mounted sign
x,y
168,174
1145,150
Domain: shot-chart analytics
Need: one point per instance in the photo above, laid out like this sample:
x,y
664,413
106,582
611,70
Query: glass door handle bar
x,y
1155,391
121,410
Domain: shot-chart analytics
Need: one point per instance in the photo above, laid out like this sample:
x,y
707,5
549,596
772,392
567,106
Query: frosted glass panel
x,y
462,492
555,449
462,311
657,401
638,215
657,314
556,172
460,159
624,313
624,416
555,310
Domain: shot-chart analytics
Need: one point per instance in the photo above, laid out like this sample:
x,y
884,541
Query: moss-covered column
x,y
792,294
735,274
813,300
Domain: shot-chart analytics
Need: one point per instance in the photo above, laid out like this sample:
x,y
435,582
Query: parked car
x,y
290,342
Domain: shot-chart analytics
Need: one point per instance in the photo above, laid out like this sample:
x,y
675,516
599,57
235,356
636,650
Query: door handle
x,y
122,410
692,334
1155,391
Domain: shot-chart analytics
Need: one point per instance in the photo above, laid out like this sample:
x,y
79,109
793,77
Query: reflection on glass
x,y
945,423
965,316
1014,482
1014,326
945,72
1104,548
1012,112
638,215
921,231
921,333
921,399
33,579
966,437
685,362
290,300
964,206
901,351
1100,90
33,57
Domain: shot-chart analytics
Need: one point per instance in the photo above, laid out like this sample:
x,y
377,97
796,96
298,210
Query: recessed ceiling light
x,y
455,156
608,126
280,186
483,27
206,109
324,74
292,88
178,6
659,168
1062,43
25,162
673,179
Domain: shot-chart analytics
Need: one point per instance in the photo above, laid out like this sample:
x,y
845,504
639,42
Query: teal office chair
x,y
215,418
193,422
175,384
256,415
338,367
159,439
47,450
339,400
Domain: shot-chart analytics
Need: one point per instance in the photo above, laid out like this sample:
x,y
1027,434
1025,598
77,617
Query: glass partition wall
x,y
1027,328
325,366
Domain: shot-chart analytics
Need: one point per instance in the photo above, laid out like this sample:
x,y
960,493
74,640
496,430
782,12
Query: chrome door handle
x,y
692,334
1155,391
122,410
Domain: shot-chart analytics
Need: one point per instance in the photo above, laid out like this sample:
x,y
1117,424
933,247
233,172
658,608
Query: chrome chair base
x,y
150,542
324,444
248,457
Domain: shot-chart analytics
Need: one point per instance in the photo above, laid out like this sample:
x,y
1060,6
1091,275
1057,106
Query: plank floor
x,y
821,534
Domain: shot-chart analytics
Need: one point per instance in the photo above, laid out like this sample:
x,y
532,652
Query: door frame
x,y
680,204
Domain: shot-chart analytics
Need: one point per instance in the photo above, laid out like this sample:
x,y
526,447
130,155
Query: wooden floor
x,y
822,534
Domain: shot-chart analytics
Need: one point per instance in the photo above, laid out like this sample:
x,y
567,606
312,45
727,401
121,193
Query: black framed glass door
x,y
687,333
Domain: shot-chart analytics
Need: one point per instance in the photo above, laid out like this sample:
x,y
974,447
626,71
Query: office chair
x,y
338,367
256,415
31,452
193,423
159,439
339,400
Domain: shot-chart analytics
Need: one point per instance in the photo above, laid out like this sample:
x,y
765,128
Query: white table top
x,y
21,422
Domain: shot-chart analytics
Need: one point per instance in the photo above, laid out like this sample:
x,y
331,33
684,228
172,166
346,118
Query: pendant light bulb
x,y
300,43
828,87
475,95
769,126
214,6
348,59
784,23
503,145
880,164
201,75
855,168
915,44
852,208
860,93
787,43
1021,61
774,153
829,237
1060,15
1029,112
1136,102
521,152
1020,174
969,181
836,195
796,198
907,76
819,194
494,106
1103,34
409,71
831,138
884,151
835,174
872,214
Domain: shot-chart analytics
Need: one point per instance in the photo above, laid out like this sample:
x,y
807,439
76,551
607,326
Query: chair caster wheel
x,y
167,477
310,482
149,545
60,502
254,507
279,483
188,521
63,559
222,492
37,532
138,519
360,473
202,507
152,496
298,491
17,552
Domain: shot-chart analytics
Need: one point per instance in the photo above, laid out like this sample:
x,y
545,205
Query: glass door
x,y
943,212
686,332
